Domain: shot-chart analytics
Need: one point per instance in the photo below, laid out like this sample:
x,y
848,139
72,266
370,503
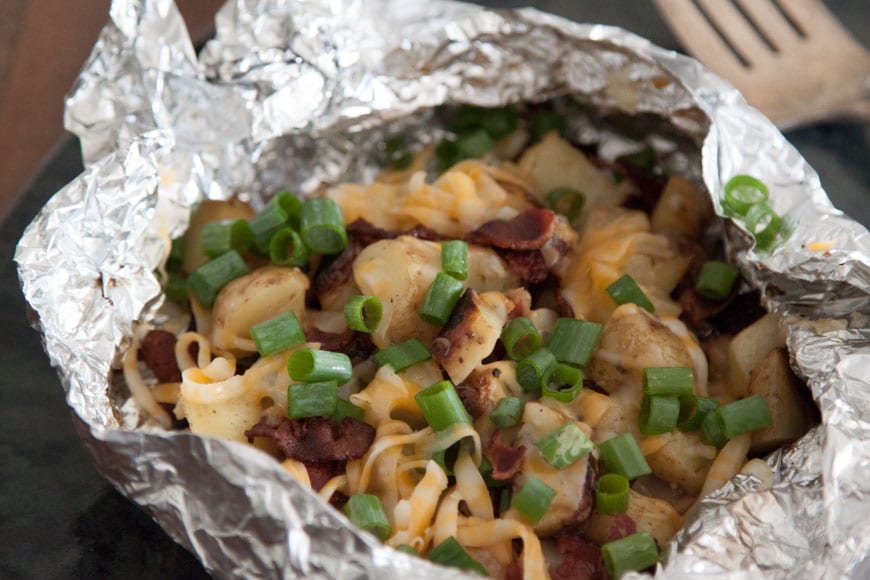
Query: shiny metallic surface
x,y
301,94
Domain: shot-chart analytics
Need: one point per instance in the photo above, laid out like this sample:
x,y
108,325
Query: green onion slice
x,y
403,355
408,549
473,144
625,290
441,406
277,334
534,499
287,248
454,259
344,409
668,381
520,338
744,416
763,223
322,225
621,455
631,553
497,122
566,201
716,280
573,341
544,122
508,412
533,370
692,411
441,299
659,414
220,237
744,191
207,281
446,458
711,431
175,287
265,224
365,511
398,156
565,445
312,399
611,494
291,205
563,384
319,365
363,313
504,500
451,553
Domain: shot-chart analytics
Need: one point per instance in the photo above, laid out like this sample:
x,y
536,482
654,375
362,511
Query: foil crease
x,y
299,94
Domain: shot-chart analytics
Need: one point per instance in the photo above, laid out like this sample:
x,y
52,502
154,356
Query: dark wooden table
x,y
59,519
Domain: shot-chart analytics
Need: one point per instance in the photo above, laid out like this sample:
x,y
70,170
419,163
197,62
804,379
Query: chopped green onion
x,y
441,406
668,381
176,254
398,156
264,225
485,469
497,122
312,399
441,299
631,553
319,365
446,458
504,500
645,158
288,249
365,511
566,201
175,287
563,384
742,192
277,334
520,338
291,205
573,341
534,499
692,411
711,431
625,290
716,280
207,281
446,155
454,259
407,549
763,223
322,225
451,553
508,412
565,445
344,409
544,122
533,370
621,455
659,414
473,144
744,416
363,313
220,237
611,494
403,355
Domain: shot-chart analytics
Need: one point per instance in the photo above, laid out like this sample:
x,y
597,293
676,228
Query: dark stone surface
x,y
59,519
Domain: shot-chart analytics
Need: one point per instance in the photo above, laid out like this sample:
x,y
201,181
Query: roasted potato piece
x,y
749,348
254,298
209,211
652,515
471,332
632,340
774,380
681,208
684,461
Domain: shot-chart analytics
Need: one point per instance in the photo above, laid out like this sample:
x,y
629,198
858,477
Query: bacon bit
x,y
157,351
587,501
320,473
334,273
506,460
366,233
582,558
621,525
530,230
357,345
317,440
529,266
696,310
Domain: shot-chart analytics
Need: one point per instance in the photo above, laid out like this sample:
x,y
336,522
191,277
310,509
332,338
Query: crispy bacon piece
x,y
581,558
357,345
157,351
529,230
317,440
367,233
528,265
697,310
621,525
320,473
506,460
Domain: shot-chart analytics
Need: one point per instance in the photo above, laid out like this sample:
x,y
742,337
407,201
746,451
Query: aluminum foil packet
x,y
296,94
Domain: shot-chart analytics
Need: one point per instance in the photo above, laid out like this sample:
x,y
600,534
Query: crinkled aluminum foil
x,y
297,94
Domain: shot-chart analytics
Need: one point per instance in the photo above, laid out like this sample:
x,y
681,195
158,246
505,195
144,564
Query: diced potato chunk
x,y
749,348
684,461
681,208
652,515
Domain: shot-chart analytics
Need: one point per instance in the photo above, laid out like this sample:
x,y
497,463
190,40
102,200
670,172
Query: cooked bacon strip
x,y
320,473
581,558
317,440
528,265
621,525
357,345
529,230
696,310
367,233
157,351
506,460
